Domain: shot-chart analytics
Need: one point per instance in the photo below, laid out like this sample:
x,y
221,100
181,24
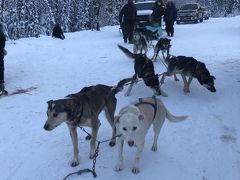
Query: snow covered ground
x,y
204,147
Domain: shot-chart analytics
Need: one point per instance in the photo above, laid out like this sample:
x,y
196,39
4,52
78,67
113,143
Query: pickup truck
x,y
190,13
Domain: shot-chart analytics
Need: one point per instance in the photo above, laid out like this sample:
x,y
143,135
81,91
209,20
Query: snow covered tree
x,y
30,18
2,2
73,16
47,19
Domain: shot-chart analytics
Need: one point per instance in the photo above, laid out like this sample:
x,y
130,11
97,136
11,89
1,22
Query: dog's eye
x,y
125,129
55,115
134,128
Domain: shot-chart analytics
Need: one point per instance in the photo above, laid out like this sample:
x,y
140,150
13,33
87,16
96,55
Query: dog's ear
x,y
50,102
140,117
213,77
116,119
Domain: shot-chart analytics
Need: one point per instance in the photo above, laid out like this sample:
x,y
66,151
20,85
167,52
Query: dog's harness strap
x,y
148,103
78,119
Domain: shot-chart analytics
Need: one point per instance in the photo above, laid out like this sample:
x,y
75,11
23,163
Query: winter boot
x,y
2,90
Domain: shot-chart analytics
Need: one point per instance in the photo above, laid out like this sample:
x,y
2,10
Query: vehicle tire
x,y
207,18
196,21
201,20
178,22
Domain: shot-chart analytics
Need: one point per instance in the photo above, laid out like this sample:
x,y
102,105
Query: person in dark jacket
x,y
2,53
57,32
127,18
158,12
170,17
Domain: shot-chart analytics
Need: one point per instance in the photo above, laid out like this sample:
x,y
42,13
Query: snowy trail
x,y
204,147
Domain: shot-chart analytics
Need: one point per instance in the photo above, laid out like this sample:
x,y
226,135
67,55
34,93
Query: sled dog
x,y
150,35
133,122
83,109
140,43
144,69
163,45
189,67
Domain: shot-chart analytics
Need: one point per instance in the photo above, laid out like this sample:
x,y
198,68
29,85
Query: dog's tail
x,y
129,53
120,85
173,118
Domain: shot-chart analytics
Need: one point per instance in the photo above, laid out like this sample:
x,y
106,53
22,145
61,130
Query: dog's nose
x,y
130,143
214,90
46,127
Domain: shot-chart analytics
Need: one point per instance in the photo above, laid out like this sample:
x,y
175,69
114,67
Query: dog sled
x,y
157,29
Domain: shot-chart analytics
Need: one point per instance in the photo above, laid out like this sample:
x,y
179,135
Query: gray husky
x,y
83,109
140,43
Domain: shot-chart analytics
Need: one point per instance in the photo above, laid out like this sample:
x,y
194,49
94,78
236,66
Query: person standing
x,y
170,17
158,12
57,32
2,54
127,18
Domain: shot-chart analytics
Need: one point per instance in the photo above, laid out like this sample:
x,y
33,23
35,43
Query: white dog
x,y
133,123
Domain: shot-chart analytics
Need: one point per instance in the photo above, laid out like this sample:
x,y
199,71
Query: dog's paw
x,y
135,170
91,154
74,162
186,91
163,94
154,148
119,166
112,143
88,137
126,94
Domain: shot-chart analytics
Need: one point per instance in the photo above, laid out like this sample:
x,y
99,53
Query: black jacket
x,y
170,14
57,32
2,42
158,12
128,13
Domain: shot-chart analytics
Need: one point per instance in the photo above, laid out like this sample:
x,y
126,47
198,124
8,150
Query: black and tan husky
x,y
164,45
189,67
83,109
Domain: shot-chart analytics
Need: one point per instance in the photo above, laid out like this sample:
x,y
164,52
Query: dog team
x,y
134,120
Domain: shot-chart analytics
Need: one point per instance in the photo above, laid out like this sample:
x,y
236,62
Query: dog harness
x,y
148,103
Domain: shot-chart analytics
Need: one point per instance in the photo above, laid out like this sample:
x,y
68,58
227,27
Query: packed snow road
x,y
204,147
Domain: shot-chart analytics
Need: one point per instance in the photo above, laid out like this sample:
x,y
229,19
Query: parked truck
x,y
190,13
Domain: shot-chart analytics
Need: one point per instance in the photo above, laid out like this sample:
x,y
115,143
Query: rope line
x,y
87,170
